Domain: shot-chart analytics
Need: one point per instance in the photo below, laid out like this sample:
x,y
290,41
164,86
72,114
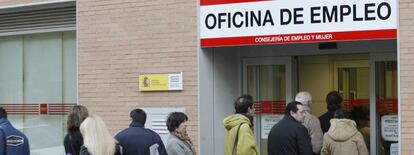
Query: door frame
x,y
290,81
375,57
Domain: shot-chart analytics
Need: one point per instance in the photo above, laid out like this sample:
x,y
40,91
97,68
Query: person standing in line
x,y
73,139
97,139
289,136
12,141
333,103
138,140
343,138
239,137
360,114
179,143
311,122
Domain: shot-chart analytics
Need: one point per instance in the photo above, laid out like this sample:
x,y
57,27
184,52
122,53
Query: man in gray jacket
x,y
311,122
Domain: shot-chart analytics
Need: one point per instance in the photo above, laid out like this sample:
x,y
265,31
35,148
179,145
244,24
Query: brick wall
x,y
118,39
407,75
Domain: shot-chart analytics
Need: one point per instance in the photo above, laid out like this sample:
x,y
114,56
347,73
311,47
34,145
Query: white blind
x,y
38,68
11,69
43,68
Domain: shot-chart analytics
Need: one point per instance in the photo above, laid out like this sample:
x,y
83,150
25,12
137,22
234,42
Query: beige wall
x,y
407,75
118,39
316,74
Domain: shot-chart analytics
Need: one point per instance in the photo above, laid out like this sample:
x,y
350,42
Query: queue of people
x,y
298,133
88,135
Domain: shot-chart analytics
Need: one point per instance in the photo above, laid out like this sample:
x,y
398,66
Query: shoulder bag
x,y
236,140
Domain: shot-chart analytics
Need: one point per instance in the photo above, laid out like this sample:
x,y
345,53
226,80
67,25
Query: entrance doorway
x,y
269,81
367,82
347,74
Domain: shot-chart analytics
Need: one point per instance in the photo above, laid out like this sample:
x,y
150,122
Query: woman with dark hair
x,y
343,138
179,143
73,139
333,103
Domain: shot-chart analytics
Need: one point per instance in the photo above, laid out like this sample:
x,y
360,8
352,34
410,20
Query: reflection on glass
x,y
38,69
266,83
387,105
353,84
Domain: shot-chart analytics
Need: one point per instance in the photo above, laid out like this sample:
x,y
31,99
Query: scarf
x,y
186,139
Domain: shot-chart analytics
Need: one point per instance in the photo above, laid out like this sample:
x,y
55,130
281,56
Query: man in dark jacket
x,y
289,136
333,103
12,141
138,140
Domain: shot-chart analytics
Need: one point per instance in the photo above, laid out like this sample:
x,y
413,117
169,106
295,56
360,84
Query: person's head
x,y
3,113
333,101
77,114
295,109
177,121
138,115
360,114
244,105
96,136
342,114
305,98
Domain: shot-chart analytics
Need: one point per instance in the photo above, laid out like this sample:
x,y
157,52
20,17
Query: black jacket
x,y
289,137
325,121
73,142
84,150
137,140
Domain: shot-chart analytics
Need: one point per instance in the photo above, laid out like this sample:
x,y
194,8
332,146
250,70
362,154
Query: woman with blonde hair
x,y
73,139
97,140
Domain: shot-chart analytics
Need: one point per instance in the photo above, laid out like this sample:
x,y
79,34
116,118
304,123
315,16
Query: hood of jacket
x,y
342,129
234,120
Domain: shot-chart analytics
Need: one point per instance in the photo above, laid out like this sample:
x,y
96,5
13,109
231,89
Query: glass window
x,y
353,84
39,69
267,85
387,106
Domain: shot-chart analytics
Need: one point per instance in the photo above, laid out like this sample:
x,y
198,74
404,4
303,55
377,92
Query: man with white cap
x,y
311,122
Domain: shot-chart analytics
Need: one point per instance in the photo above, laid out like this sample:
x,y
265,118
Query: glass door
x,y
269,81
353,82
385,104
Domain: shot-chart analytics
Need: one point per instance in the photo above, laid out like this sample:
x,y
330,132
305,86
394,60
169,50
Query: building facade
x,y
92,53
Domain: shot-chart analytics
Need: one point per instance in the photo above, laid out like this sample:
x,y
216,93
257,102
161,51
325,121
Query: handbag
x,y
236,140
70,143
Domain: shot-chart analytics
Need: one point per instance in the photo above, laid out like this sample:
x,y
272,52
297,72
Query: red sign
x,y
386,107
300,38
43,109
350,104
270,107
